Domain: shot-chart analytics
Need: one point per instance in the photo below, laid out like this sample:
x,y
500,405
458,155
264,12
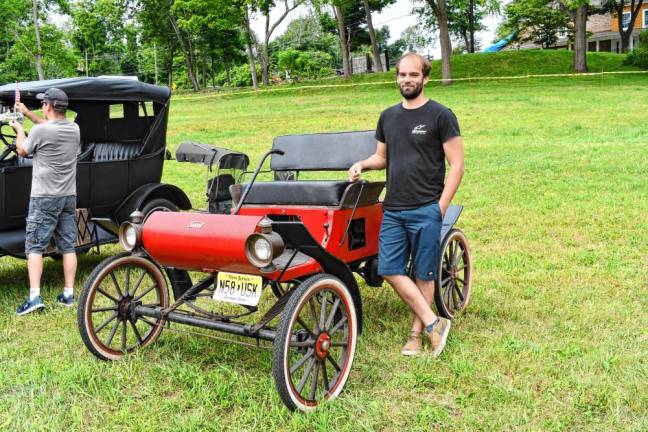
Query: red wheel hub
x,y
323,345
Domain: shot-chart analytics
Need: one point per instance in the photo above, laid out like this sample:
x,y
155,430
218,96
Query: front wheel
x,y
158,204
315,343
106,317
454,280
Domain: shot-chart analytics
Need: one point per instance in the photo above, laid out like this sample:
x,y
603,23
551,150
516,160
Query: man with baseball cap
x,y
53,142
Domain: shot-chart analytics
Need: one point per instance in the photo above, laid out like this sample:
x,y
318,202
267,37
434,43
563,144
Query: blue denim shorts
x,y
414,232
51,216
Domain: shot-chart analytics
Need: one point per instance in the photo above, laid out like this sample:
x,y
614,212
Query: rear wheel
x,y
315,343
106,316
454,280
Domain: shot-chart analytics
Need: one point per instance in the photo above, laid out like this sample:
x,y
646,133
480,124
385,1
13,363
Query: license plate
x,y
238,288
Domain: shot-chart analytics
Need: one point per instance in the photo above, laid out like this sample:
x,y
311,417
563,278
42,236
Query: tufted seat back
x,y
115,151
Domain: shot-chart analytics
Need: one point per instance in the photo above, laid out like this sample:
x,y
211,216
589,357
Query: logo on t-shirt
x,y
419,130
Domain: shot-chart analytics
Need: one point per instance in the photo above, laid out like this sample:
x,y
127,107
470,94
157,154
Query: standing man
x,y
54,144
415,138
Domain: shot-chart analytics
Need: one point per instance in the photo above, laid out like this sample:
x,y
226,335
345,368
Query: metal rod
x,y
346,231
254,176
233,328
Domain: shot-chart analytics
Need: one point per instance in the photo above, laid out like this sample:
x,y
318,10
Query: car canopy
x,y
108,110
88,89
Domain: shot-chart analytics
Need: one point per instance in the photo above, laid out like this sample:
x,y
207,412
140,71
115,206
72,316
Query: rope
x,y
380,83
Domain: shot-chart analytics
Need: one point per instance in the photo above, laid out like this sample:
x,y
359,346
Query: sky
x,y
397,16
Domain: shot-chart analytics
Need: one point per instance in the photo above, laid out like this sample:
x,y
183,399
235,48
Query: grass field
x,y
555,337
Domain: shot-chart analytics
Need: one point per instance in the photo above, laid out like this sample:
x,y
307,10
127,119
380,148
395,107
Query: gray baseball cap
x,y
54,96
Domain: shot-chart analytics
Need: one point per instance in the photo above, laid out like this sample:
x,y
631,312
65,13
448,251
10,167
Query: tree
x,y
441,15
619,7
98,29
266,6
535,21
250,40
374,6
415,38
306,34
464,19
578,10
343,38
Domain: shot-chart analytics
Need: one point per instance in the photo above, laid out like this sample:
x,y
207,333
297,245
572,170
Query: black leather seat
x,y
115,151
303,192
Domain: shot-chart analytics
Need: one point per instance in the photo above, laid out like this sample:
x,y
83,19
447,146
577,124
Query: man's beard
x,y
411,93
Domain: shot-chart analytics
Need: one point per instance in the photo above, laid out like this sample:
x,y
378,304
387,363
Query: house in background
x,y
604,32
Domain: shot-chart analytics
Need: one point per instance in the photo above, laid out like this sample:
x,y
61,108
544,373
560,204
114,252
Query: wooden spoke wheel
x,y
107,321
454,282
315,343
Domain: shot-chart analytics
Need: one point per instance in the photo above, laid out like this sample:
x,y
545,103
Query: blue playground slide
x,y
499,45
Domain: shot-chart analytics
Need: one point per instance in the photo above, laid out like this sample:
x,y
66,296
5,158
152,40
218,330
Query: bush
x,y
305,64
239,75
639,57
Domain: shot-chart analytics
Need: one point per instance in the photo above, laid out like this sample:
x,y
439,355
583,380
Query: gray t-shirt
x,y
54,145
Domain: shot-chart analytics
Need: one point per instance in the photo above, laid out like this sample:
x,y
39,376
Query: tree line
x,y
197,44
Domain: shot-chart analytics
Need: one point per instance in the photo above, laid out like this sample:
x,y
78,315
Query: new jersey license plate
x,y
238,288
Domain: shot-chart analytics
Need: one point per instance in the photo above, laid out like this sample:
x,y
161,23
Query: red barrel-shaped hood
x,y
200,241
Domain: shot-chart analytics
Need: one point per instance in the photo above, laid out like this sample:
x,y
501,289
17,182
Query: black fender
x,y
296,236
137,199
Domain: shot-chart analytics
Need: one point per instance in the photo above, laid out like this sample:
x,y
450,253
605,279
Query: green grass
x,y
556,209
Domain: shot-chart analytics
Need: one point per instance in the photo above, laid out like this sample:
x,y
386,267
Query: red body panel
x,y
314,219
199,241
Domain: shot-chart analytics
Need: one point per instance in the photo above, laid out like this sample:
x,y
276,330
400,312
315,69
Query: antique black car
x,y
119,165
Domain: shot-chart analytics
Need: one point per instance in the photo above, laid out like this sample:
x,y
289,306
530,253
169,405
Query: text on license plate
x,y
238,288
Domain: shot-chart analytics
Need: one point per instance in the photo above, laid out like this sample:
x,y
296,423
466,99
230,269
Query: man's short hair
x,y
425,63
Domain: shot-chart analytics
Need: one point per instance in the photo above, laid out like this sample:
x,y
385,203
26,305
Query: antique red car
x,y
302,239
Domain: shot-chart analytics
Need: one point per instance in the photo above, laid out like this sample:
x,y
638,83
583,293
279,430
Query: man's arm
x,y
377,160
27,113
454,154
20,138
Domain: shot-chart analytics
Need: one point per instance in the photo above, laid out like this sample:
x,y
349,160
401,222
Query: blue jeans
x,y
51,216
414,232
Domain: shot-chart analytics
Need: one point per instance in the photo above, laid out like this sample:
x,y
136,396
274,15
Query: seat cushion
x,y
303,192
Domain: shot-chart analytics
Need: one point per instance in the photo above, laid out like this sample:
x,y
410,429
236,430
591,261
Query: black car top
x,y
90,89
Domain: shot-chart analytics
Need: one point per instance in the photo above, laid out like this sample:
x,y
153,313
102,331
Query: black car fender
x,y
138,198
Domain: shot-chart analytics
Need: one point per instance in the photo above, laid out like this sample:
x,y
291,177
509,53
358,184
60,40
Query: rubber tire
x,y
280,345
438,299
86,337
158,204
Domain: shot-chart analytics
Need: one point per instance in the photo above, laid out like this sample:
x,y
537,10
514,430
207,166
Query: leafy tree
x,y
535,21
58,61
266,6
465,18
105,36
306,34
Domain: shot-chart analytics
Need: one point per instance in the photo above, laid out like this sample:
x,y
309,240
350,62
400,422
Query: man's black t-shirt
x,y
415,156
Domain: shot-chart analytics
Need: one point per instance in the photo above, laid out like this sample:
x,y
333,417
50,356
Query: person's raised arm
x,y
377,160
20,107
